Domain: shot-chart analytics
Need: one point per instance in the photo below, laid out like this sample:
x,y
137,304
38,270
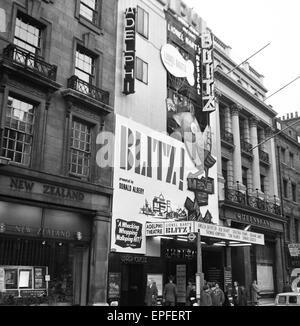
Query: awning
x,y
184,228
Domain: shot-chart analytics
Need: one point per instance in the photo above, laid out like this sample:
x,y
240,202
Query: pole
x,y
199,281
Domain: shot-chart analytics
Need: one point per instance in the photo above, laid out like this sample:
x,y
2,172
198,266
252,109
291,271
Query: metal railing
x,y
249,200
227,136
246,147
263,156
88,89
30,61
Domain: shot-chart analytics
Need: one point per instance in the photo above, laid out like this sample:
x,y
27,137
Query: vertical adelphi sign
x,y
129,52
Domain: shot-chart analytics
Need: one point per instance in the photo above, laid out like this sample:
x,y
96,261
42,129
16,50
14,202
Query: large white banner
x,y
153,173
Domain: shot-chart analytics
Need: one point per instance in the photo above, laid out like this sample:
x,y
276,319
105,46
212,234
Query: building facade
x,y
288,143
148,95
248,187
57,93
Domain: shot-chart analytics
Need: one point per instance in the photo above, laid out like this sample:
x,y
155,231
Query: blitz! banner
x,y
151,173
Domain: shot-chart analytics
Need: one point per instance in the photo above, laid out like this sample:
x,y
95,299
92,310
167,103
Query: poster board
x,y
265,279
158,279
181,283
2,280
114,286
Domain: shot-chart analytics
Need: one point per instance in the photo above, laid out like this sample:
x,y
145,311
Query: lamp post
x,y
199,275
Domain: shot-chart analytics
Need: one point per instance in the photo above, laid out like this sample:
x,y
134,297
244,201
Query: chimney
x,y
288,116
292,115
283,118
296,114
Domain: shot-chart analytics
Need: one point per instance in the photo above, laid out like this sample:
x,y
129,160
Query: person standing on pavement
x,y
188,291
236,294
170,293
243,301
205,300
254,293
151,294
217,295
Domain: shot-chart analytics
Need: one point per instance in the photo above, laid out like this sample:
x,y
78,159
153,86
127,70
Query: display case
x,y
25,281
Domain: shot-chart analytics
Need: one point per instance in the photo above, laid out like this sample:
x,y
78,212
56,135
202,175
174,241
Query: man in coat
x,y
254,293
217,295
237,294
170,293
151,294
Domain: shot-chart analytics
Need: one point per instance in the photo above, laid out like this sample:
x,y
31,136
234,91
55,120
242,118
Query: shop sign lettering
x,y
127,259
208,84
245,218
63,193
163,160
129,53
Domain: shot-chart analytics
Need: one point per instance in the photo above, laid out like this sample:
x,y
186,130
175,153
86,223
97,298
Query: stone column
x,y
270,148
255,152
228,122
237,155
246,131
99,260
230,178
279,265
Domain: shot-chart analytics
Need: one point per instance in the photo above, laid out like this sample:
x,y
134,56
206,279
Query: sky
x,y
247,26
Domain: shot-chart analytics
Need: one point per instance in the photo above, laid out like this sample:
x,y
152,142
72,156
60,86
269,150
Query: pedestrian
x,y
170,293
255,293
243,301
188,291
236,294
192,296
151,294
217,295
206,297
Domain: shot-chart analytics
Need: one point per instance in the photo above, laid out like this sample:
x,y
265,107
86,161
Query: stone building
x,y
288,156
248,187
57,84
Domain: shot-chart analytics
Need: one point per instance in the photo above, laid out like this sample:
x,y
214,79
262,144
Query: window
x,y
245,177
84,65
287,228
141,70
89,10
282,155
282,299
225,170
18,131
27,34
80,149
285,188
262,183
294,192
142,22
292,299
291,160
297,230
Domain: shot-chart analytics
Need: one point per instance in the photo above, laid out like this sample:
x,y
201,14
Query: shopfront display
x,y
44,253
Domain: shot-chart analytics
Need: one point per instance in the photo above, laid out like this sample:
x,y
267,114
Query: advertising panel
x,y
151,173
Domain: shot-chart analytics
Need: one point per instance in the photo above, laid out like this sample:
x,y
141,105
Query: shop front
x,y
46,242
262,263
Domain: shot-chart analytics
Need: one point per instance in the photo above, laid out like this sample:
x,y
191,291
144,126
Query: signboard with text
x,y
207,230
151,172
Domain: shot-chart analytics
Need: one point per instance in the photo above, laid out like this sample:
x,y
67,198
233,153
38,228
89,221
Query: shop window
x,y
85,65
142,22
80,159
294,192
28,34
18,131
141,71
